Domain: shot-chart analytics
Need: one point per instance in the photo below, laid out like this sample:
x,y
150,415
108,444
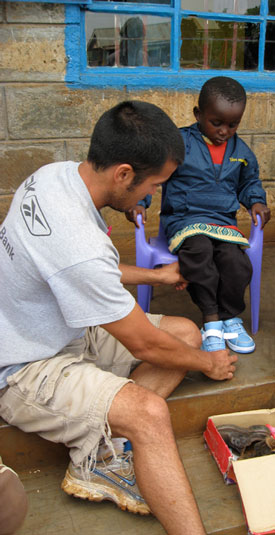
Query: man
x,y
60,274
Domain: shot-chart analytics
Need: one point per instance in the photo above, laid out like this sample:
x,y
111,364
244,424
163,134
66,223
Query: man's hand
x,y
170,274
263,211
161,348
131,215
222,365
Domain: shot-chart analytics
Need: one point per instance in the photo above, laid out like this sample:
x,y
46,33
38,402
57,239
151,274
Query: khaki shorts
x,y
67,398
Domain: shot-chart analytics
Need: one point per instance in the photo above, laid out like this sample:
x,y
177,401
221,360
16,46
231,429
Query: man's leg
x,y
143,417
158,467
161,380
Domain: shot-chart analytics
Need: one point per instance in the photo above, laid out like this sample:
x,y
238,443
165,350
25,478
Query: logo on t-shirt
x,y
6,243
34,217
31,211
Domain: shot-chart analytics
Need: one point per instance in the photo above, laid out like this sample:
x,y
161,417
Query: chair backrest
x,y
161,233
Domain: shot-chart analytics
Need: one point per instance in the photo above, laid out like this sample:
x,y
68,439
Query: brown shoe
x,y
264,447
240,438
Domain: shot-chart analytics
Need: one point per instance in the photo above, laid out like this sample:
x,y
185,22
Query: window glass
x,y
118,40
269,57
217,44
271,7
240,7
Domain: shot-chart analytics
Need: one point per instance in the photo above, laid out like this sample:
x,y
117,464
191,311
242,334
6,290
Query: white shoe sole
x,y
97,492
239,349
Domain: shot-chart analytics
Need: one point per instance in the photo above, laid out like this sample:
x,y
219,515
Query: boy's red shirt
x,y
217,152
217,155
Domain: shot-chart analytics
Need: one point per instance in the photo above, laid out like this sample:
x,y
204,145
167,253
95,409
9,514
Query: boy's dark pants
x,y
218,274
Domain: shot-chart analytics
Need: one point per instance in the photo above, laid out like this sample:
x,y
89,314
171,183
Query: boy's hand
x,y
263,211
131,215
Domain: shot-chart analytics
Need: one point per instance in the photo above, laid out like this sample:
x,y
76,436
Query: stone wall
x,y
42,121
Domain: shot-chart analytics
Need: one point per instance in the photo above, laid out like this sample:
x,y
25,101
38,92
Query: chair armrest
x,y
256,234
144,250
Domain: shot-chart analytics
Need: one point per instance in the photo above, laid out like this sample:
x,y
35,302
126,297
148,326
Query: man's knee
x,y
13,501
152,420
154,407
182,328
193,337
146,413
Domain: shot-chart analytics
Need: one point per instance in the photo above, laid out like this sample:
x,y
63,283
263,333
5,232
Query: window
x,y
175,44
127,41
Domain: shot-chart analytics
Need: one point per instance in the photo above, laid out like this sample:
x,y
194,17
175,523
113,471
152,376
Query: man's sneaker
x,y
212,336
242,342
110,479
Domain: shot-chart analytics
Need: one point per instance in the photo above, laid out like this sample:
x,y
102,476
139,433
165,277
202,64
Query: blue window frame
x,y
212,37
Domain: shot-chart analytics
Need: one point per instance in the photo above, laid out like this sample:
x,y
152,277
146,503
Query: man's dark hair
x,y
137,133
224,87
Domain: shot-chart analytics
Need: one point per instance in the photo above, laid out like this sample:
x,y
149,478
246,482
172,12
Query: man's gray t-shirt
x,y
59,269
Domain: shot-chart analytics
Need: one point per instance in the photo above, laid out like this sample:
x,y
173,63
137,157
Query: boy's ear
x,y
196,112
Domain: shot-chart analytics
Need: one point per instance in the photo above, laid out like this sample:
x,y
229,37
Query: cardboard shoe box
x,y
255,477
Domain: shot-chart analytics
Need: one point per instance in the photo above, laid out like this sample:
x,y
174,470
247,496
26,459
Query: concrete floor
x,y
52,512
41,465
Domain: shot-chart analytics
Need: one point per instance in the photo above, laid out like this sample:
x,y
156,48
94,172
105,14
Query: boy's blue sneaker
x,y
241,342
212,336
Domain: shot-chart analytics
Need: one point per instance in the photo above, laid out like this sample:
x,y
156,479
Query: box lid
x,y
256,482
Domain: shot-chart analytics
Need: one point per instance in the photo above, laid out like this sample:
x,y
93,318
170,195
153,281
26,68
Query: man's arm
x,y
168,274
150,344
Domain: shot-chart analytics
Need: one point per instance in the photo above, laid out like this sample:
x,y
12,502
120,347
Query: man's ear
x,y
196,112
123,174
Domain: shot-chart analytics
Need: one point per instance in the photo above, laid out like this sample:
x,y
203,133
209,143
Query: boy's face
x,y
220,119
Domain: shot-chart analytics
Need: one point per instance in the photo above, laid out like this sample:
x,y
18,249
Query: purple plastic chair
x,y
155,252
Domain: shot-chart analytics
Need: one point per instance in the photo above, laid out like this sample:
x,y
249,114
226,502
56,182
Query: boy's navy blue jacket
x,y
200,192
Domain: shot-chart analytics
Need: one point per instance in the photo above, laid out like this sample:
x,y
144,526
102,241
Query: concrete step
x,y
253,387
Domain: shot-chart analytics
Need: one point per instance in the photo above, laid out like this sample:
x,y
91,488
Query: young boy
x,y
199,205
